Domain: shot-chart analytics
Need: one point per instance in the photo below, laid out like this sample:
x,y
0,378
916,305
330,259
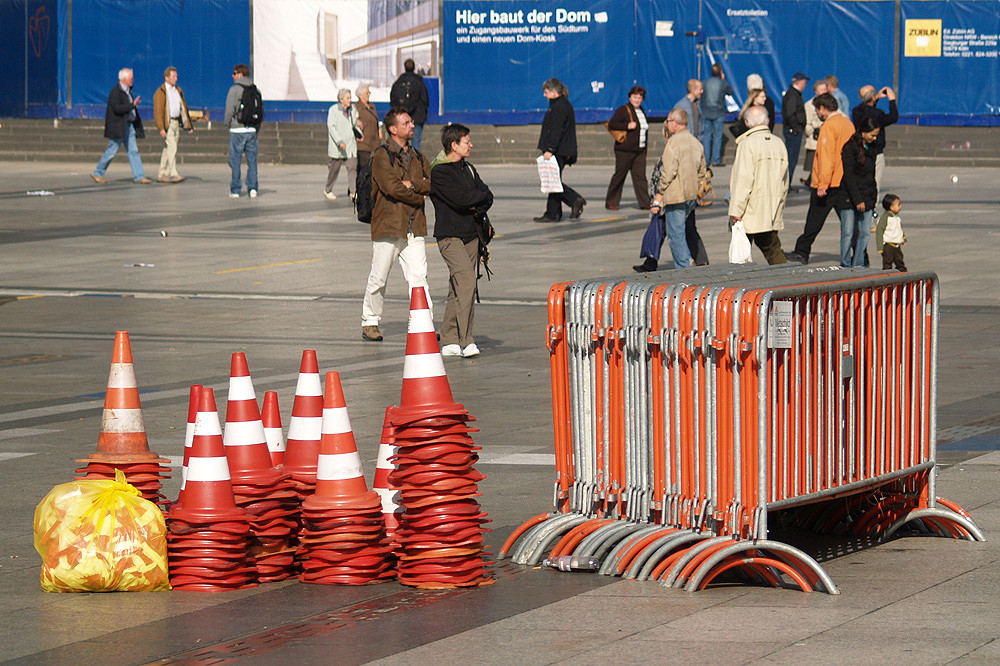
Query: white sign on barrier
x,y
779,325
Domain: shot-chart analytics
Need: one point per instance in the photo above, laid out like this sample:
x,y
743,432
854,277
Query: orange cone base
x,y
369,500
401,416
208,516
122,458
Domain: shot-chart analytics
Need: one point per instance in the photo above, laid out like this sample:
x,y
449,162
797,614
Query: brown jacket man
x,y
160,109
399,207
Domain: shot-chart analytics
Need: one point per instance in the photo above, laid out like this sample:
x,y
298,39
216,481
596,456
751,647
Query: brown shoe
x,y
371,333
143,181
163,179
178,179
98,179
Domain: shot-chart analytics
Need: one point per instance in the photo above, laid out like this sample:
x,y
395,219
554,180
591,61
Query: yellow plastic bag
x,y
99,535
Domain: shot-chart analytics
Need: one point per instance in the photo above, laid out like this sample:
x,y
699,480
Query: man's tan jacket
x,y
683,166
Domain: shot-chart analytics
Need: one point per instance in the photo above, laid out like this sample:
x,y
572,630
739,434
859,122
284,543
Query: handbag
x,y
619,135
358,134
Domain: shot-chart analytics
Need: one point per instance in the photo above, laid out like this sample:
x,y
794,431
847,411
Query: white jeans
x,y
412,256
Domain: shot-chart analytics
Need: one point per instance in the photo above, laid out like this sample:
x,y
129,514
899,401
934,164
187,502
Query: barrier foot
x,y
771,559
516,534
942,521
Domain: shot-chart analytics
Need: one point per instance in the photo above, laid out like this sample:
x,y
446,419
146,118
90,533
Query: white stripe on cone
x,y
305,427
207,424
308,384
336,421
386,451
421,321
390,500
122,376
421,366
243,433
273,438
208,469
241,388
338,466
122,420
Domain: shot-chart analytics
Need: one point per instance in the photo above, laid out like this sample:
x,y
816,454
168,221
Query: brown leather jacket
x,y
369,118
160,109
399,209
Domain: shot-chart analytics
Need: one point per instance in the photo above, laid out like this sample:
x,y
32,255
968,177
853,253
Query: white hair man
x,y
122,126
758,185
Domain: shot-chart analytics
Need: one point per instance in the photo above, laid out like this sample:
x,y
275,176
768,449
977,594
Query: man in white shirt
x,y
171,114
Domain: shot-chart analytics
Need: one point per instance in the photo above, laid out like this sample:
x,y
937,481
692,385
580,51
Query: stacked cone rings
x,y
387,492
343,535
440,534
208,545
271,504
122,441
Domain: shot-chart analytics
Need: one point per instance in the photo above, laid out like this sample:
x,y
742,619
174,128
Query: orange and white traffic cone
x,y
122,442
387,491
193,402
305,428
271,417
425,384
246,445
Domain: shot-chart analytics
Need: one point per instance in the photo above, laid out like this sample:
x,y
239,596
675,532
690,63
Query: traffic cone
x,y
340,482
271,417
193,402
305,428
122,442
246,445
388,493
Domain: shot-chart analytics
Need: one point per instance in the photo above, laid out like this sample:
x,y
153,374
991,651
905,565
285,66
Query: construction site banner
x,y
498,53
949,58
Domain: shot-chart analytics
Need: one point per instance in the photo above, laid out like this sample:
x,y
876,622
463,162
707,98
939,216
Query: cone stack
x,y
343,535
122,441
193,402
265,493
208,536
440,533
388,493
305,427
271,416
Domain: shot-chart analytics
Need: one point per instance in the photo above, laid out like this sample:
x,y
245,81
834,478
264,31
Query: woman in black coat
x,y
558,138
630,154
858,193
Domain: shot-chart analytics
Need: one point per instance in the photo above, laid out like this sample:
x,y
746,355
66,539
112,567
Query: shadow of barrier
x,y
691,407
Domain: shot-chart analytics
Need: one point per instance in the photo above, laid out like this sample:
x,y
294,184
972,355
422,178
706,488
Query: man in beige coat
x,y
683,167
758,185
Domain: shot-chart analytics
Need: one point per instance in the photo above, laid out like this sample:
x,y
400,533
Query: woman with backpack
x,y
460,199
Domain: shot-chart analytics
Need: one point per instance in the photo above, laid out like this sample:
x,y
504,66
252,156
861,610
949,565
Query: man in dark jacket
x,y
409,93
122,126
400,182
868,109
793,111
460,199
558,138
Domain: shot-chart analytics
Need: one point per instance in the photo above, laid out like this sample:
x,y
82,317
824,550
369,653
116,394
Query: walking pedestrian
x,y
170,112
122,126
630,153
713,113
558,138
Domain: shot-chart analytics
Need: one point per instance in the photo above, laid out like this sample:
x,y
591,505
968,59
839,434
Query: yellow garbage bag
x,y
99,535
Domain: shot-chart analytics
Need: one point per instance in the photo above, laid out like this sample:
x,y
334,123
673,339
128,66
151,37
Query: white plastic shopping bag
x,y
548,174
739,245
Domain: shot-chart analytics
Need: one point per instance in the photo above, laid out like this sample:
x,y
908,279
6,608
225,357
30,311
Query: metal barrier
x,y
689,404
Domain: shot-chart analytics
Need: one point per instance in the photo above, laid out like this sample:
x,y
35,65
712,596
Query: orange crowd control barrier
x,y
691,408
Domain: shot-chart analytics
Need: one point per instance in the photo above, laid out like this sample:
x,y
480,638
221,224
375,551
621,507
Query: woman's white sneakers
x,y
455,350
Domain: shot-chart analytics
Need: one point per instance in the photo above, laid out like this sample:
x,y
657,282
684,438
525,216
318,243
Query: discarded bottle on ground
x,y
572,563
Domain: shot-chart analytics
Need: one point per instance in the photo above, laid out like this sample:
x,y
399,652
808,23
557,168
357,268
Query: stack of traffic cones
x,y
305,428
193,402
440,533
271,504
271,416
122,442
208,543
343,536
388,492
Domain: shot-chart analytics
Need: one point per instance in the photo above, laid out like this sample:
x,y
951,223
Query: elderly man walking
x,y
683,167
758,185
122,126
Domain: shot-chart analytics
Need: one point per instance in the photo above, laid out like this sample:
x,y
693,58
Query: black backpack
x,y
250,112
405,95
364,193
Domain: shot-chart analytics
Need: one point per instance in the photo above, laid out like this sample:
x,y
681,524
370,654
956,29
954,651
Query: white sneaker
x,y
234,195
253,194
451,350
470,350
329,195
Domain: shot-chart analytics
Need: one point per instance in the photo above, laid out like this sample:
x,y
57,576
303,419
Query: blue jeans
x,y
418,131
855,228
133,154
676,218
711,138
239,143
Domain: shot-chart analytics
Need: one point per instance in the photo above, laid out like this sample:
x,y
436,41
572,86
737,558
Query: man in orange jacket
x,y
828,169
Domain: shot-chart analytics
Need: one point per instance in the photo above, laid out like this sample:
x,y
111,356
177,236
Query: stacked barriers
x,y
689,404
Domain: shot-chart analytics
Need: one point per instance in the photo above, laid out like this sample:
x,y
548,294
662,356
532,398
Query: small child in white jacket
x,y
889,238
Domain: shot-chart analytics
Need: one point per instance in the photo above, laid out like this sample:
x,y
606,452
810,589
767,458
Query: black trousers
x,y
770,245
625,163
699,257
819,210
553,207
892,254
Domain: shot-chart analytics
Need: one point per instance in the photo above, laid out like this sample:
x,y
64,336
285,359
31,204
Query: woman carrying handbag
x,y
629,127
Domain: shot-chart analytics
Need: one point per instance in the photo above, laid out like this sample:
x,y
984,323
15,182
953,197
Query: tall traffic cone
x,y
271,417
122,442
305,428
387,491
246,445
193,402
340,483
425,384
